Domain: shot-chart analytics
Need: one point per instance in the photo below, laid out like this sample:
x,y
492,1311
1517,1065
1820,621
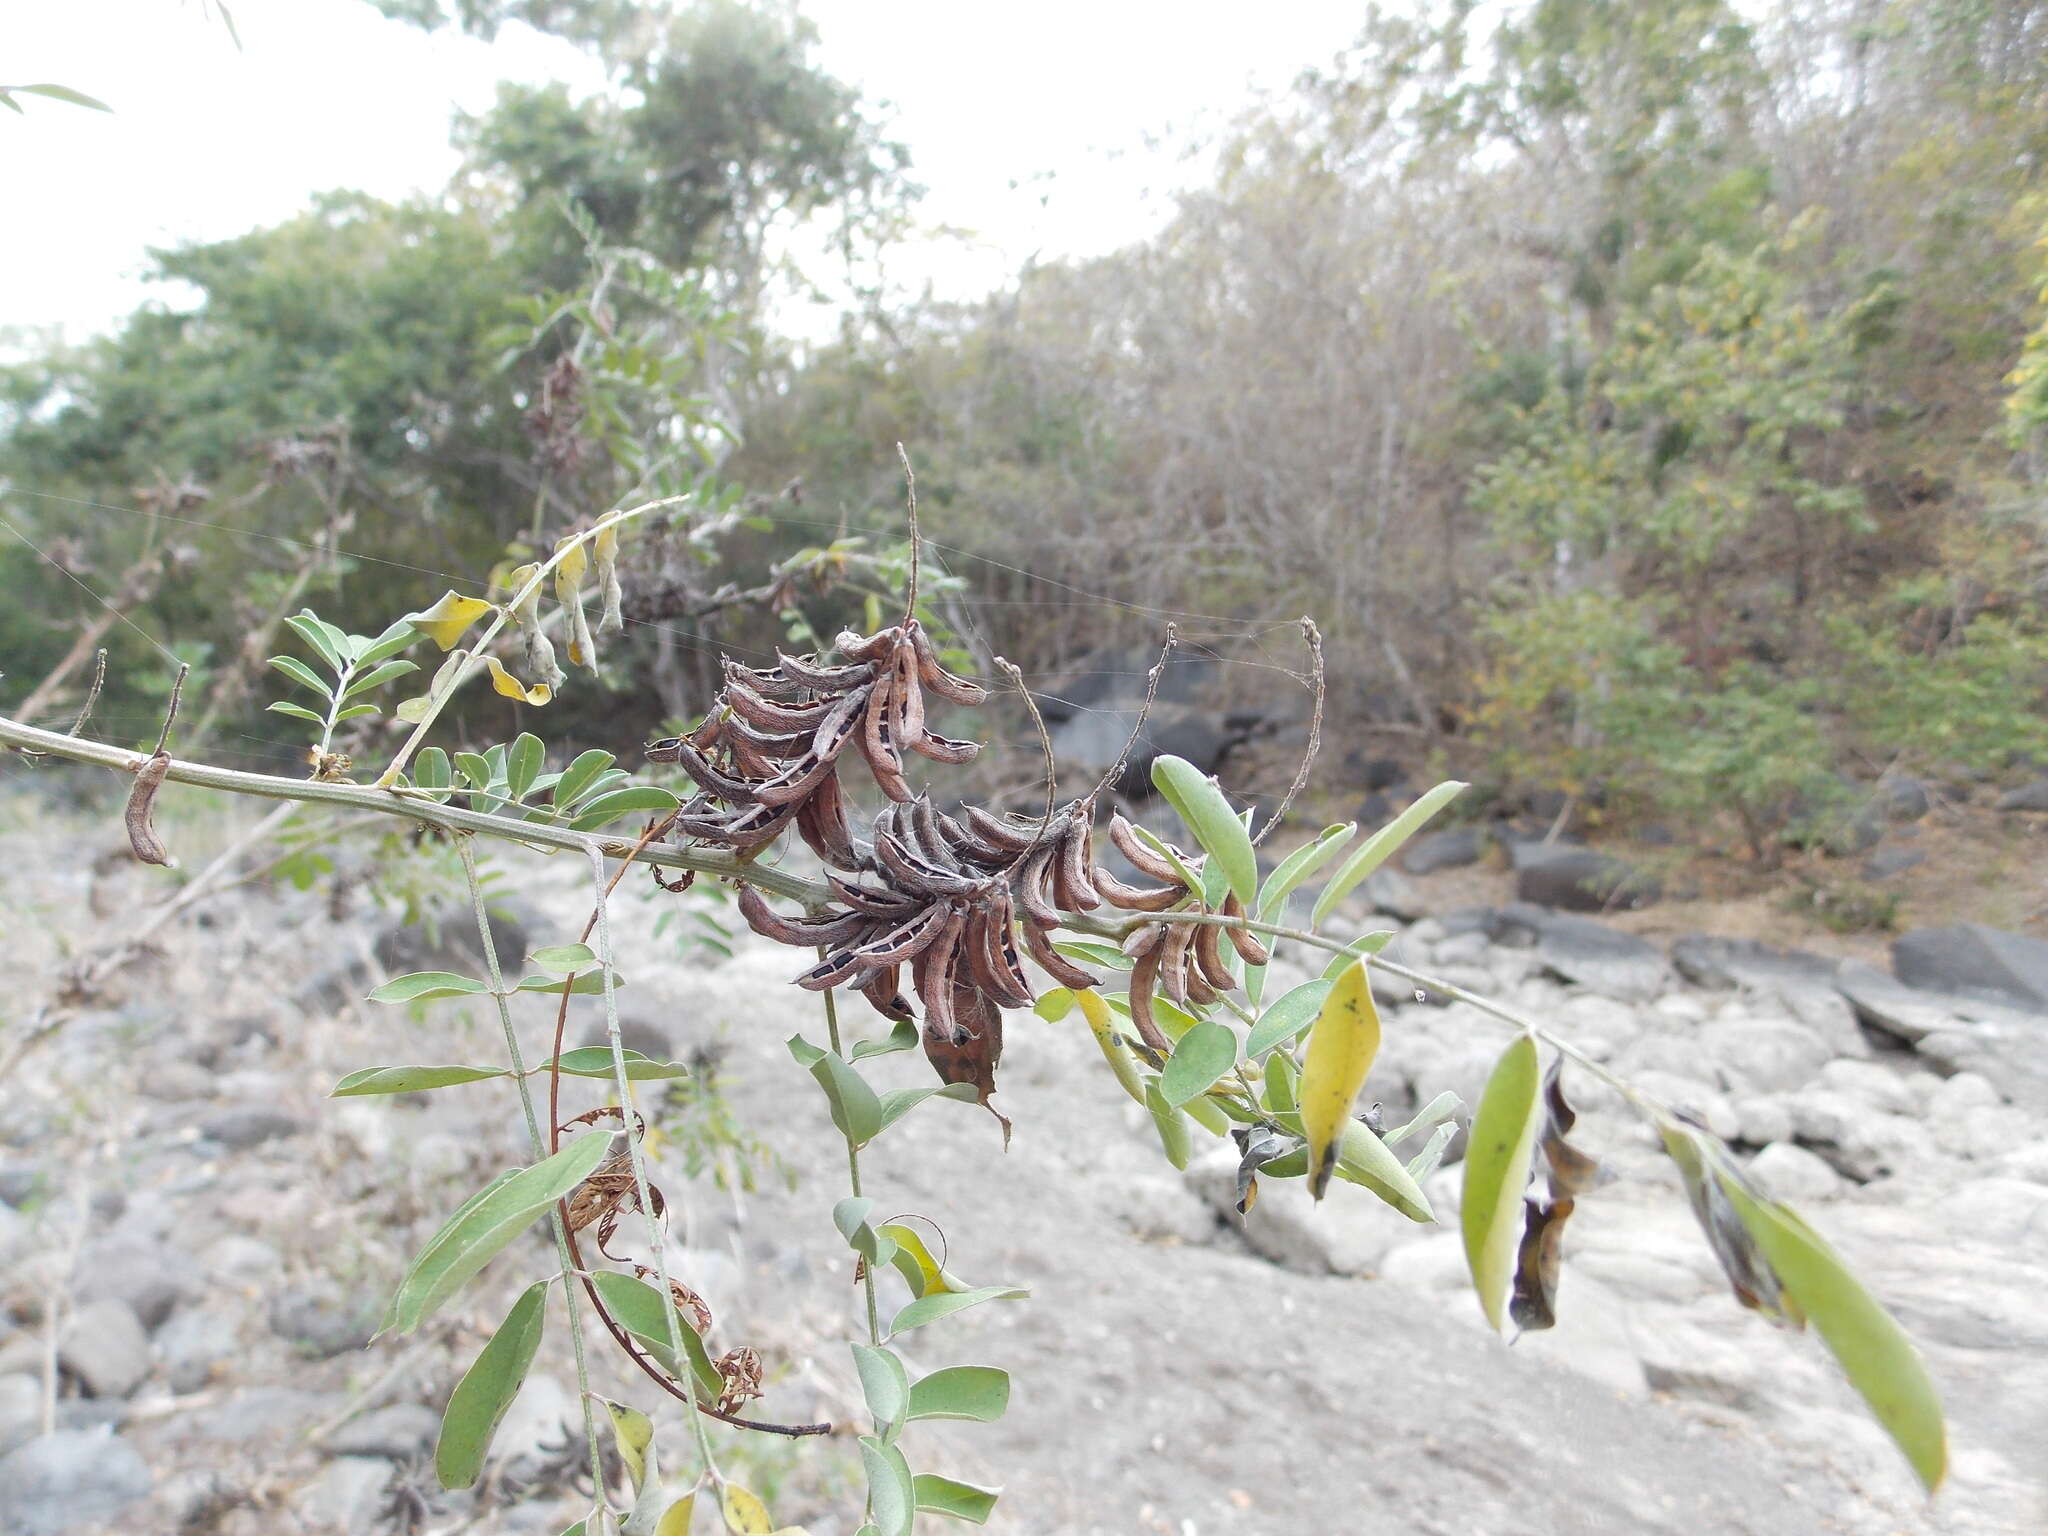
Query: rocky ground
x,y
195,1243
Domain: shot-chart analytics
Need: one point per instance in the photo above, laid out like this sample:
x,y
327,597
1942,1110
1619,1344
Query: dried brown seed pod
x,y
142,838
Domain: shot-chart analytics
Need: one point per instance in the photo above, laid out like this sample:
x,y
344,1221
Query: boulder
x,y
1444,850
1973,959
1900,797
1888,862
1763,1055
1287,1226
1395,894
1889,1006
1609,962
194,1344
1580,879
73,1480
250,1125
323,1319
397,1433
1711,961
347,1497
1790,1172
106,1348
2028,797
150,1276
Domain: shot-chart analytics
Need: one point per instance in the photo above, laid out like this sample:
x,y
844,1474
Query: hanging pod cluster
x,y
930,905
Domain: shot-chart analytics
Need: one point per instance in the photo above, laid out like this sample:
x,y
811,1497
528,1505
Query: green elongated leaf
x,y
596,1061
1276,1090
898,1102
578,1529
372,1080
885,1385
1201,803
377,677
1171,1124
563,959
608,808
63,93
581,773
977,1392
430,772
524,763
1341,1048
356,712
1363,1159
1442,1107
850,1216
296,711
589,984
1290,1013
902,1036
638,1308
487,1389
482,1229
1300,865
1497,1172
892,1497
954,1499
303,675
1872,1349
1208,1114
1202,1056
1105,955
929,1309
474,767
1365,944
338,639
856,1109
394,639
1375,850
425,986
1054,1004
308,628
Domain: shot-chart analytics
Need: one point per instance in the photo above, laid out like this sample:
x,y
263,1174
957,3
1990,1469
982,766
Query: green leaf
x,y
8,101
915,1263
303,675
885,1385
1375,850
394,639
475,768
479,1402
1208,814
64,93
563,959
1203,1055
1299,865
961,1501
430,772
424,986
977,1392
1276,1088
524,763
1341,1048
1054,1004
1497,1158
377,677
637,1306
296,711
892,1497
1106,955
307,626
581,774
1874,1352
1171,1124
485,1226
850,1216
1287,1016
929,1309
855,1108
409,1079
902,1036
357,711
589,984
596,1061
608,808
1365,944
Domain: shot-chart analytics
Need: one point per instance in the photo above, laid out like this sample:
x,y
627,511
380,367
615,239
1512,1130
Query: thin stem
x,y
1052,769
171,712
1116,769
539,1146
655,1242
92,694
438,698
1313,639
867,1271
910,477
417,807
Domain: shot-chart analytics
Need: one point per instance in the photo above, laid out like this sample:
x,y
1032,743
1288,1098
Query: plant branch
x,y
867,1271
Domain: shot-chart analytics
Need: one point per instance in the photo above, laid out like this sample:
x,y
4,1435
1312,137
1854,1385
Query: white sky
x,y
1029,124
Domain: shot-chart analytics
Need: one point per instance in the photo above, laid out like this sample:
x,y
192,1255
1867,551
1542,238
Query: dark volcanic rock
x,y
1581,880
1711,961
2010,968
1444,850
1602,959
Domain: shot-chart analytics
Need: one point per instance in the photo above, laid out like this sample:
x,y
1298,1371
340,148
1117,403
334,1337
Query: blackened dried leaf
x,y
1749,1273
1533,1305
1256,1147
1572,1172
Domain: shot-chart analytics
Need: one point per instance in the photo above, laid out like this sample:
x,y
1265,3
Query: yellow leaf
x,y
634,1432
445,622
745,1515
1103,1026
675,1521
569,574
1341,1048
508,685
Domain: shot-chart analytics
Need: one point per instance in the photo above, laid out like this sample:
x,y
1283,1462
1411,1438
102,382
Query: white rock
x,y
347,1496
1432,1263
106,1347
1863,1143
1791,1172
1763,1119
1462,948
1711,1106
1160,1208
1962,1093
1592,1336
2028,1162
1641,1276
1678,1005
1764,1055
1688,1361
1346,1234
1881,1087
2009,1214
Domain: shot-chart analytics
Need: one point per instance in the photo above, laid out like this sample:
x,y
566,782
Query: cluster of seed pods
x,y
952,903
